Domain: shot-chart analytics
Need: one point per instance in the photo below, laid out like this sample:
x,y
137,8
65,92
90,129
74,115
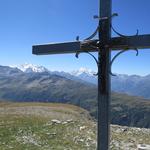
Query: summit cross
x,y
103,45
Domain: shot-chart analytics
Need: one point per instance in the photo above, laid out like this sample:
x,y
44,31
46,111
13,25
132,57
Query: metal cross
x,y
103,45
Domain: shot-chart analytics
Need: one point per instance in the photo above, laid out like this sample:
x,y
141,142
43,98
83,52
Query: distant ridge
x,y
130,84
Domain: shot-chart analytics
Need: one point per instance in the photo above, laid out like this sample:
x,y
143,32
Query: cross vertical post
x,y
104,57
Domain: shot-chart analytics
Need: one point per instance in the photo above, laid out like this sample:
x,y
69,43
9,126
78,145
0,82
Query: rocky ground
x,y
39,126
127,138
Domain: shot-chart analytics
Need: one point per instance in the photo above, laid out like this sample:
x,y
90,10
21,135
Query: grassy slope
x,y
30,126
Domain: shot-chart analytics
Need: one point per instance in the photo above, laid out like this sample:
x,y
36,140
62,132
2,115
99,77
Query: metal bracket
x,y
105,18
118,54
77,56
93,35
119,34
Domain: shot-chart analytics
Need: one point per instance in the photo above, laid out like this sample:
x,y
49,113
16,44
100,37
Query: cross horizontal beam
x,y
56,48
116,43
131,42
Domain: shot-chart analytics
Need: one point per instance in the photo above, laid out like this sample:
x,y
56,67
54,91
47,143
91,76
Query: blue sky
x,y
28,22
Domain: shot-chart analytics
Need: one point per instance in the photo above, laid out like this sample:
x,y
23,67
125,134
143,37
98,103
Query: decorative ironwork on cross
x,y
103,45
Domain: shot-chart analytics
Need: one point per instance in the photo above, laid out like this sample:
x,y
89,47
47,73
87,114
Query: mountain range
x,y
45,86
130,84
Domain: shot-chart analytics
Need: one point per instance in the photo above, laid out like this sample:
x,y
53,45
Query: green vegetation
x,y
51,126
37,126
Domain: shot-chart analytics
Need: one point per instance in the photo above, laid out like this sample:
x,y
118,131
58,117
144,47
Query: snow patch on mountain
x,y
29,68
85,74
82,71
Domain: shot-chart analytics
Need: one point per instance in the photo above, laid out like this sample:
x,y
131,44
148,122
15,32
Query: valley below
x,y
52,126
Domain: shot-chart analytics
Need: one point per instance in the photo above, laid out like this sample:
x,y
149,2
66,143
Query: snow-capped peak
x,y
29,68
83,71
